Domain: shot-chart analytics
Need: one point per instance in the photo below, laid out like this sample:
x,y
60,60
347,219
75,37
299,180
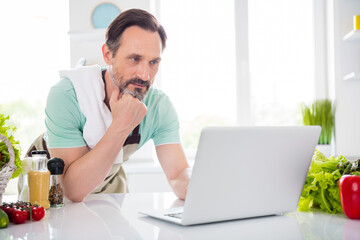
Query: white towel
x,y
90,93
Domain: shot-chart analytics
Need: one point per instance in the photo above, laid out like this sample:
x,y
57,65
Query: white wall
x,y
347,93
85,41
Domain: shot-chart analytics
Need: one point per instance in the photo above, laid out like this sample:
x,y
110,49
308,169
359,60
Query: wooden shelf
x,y
89,35
352,36
352,76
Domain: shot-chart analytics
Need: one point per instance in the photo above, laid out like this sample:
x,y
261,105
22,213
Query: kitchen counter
x,y
115,216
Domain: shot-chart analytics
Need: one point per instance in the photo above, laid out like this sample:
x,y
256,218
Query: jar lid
x,y
56,166
38,152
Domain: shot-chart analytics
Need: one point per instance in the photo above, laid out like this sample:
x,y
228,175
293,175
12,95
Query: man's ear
x,y
107,54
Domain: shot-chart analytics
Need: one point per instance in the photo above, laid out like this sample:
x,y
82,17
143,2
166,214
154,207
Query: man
x,y
96,118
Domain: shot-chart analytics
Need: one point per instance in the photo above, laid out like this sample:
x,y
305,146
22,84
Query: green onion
x,y
321,113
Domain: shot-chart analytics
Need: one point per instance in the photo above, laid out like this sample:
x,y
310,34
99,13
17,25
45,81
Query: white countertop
x,y
115,216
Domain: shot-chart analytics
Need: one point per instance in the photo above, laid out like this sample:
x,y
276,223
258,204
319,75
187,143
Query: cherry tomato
x,y
19,216
37,213
9,210
26,209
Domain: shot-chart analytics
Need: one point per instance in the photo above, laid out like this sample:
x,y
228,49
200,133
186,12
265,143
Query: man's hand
x,y
175,166
127,111
180,183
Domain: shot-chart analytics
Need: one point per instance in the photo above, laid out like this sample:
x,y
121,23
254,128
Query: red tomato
x,y
37,213
349,186
9,211
19,216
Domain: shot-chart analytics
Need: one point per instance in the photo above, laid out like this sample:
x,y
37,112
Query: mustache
x,y
137,81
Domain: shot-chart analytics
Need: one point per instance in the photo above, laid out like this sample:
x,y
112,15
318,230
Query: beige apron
x,y
115,181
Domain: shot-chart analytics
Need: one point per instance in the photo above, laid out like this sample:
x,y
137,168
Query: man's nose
x,y
143,72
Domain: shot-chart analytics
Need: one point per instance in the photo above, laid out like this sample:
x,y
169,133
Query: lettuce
x,y
321,189
8,131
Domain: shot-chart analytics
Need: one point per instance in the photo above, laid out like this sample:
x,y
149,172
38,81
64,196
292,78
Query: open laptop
x,y
244,172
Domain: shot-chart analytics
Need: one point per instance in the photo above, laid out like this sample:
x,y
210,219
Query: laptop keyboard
x,y
174,215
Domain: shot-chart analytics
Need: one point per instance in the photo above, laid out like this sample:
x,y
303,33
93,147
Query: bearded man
x,y
97,117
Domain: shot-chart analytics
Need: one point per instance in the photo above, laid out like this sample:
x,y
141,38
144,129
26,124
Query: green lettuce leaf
x,y
321,189
8,131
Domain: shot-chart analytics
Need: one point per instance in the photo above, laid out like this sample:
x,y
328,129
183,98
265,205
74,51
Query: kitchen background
x,y
227,62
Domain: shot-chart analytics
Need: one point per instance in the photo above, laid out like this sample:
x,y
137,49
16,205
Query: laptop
x,y
245,172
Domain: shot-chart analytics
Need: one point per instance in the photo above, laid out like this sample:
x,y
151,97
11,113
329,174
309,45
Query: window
x,y
199,67
198,71
34,47
281,60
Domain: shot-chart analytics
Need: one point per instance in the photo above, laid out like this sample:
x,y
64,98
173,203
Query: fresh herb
x,y
321,113
8,131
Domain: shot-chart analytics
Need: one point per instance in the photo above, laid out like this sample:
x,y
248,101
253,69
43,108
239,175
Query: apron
x,y
115,181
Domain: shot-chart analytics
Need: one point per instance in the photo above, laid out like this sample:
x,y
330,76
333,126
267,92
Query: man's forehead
x,y
138,40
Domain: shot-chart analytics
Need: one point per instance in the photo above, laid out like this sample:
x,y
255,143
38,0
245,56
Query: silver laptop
x,y
244,172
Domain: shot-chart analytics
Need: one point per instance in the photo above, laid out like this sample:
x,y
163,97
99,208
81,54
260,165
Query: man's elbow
x,y
76,198
74,195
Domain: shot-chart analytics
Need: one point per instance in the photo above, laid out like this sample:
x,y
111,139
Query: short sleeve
x,y
167,130
64,120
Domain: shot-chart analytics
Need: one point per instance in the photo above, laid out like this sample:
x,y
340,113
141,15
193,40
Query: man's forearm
x,y
89,171
180,184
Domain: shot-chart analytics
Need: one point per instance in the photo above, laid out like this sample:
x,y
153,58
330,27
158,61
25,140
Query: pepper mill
x,y
56,168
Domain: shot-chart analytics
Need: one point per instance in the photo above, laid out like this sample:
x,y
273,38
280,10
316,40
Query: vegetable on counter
x,y
321,189
8,131
349,186
4,219
38,213
20,212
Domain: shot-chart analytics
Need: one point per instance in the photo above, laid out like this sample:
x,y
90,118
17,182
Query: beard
x,y
122,84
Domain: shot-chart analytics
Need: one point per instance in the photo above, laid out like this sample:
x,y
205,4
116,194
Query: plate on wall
x,y
103,14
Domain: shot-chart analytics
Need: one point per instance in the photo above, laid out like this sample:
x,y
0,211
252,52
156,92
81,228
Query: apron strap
x,y
134,138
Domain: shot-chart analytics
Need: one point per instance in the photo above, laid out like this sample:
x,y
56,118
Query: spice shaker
x,y
39,179
56,168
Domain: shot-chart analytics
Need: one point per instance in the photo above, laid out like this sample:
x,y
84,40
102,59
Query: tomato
x,y
37,213
349,186
9,210
19,216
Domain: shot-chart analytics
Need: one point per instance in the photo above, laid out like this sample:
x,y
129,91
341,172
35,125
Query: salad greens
x,y
321,188
8,131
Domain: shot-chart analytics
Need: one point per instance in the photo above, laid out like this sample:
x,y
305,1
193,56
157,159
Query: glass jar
x,y
23,179
56,195
39,179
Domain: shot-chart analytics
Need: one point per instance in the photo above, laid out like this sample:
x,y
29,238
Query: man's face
x,y
137,61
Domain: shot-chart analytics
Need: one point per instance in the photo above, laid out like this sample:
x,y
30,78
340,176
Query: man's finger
x,y
114,96
134,94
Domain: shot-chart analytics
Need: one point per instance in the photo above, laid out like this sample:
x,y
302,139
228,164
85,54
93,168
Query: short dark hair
x,y
132,17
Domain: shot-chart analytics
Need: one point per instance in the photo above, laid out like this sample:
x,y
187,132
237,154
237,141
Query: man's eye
x,y
154,62
135,59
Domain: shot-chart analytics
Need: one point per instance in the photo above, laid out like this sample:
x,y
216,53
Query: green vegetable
x,y
321,113
8,131
321,188
4,219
